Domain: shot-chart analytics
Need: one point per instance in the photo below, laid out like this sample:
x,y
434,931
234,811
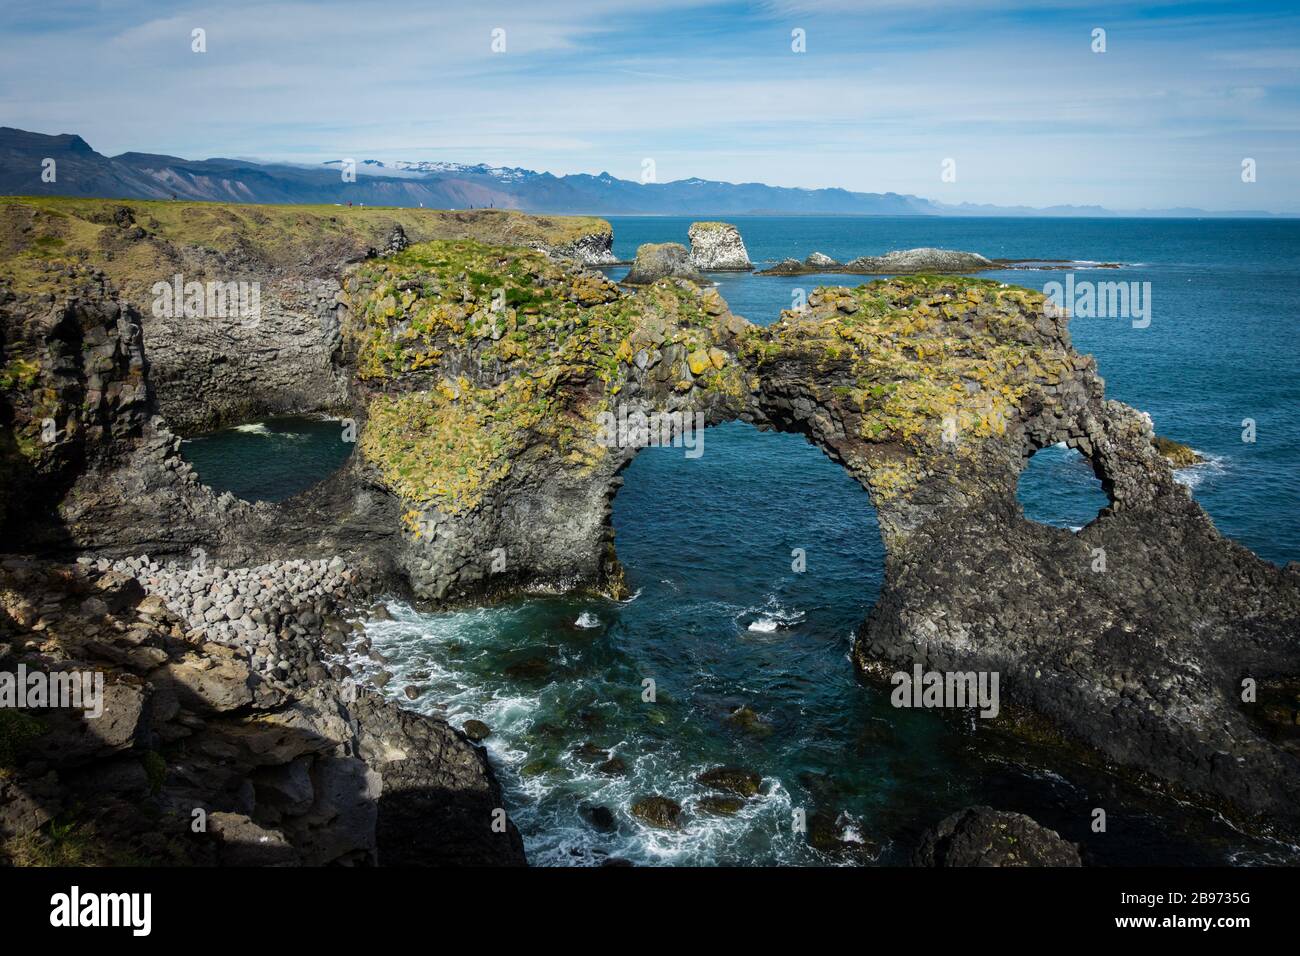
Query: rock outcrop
x,y
927,260
982,836
717,247
500,393
900,262
593,249
198,757
1179,455
237,305
933,393
816,262
665,260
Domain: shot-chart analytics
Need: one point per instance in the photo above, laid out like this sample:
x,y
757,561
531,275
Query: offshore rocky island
x,y
474,354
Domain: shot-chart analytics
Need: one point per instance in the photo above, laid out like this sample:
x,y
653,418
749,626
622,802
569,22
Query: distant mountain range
x,y
80,171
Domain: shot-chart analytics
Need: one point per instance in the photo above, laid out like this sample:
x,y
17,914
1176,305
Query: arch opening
x,y
1059,487
270,460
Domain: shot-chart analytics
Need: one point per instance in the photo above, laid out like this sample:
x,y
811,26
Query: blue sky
x,y
885,92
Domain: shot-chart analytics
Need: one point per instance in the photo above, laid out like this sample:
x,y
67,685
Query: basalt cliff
x,y
480,366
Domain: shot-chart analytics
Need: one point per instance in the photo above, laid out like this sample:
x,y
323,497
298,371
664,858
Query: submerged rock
x,y
747,719
982,836
476,730
666,260
532,669
613,767
719,806
838,835
717,247
591,753
657,812
732,779
602,818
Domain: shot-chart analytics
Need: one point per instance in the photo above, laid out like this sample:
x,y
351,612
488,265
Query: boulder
x,y
1178,454
982,836
719,806
735,780
658,812
667,260
820,262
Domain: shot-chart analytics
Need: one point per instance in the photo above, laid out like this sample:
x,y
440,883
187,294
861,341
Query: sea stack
x,y
717,247
661,261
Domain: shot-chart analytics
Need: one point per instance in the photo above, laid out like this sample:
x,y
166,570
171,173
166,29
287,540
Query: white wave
x,y
255,428
587,620
1193,475
772,616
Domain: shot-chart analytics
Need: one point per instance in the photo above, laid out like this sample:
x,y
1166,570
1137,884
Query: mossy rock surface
x,y
658,812
1179,455
735,780
140,242
476,358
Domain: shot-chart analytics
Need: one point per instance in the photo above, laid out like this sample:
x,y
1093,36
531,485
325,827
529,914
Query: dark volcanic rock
x,y
1130,640
657,812
189,730
668,260
602,818
982,836
719,806
900,262
732,779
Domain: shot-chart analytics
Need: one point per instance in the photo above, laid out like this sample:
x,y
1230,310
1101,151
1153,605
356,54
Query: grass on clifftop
x,y
140,242
441,321
933,364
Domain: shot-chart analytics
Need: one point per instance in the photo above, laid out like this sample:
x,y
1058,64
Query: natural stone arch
x,y
1142,663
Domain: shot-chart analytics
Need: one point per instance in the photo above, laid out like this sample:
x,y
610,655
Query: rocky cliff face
x,y
500,394
238,305
717,247
485,376
72,387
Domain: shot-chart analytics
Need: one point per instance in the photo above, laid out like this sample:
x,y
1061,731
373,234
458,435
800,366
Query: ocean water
x,y
721,618
271,460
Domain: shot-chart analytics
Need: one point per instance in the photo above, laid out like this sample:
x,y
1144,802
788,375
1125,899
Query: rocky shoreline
x,y
211,751
475,371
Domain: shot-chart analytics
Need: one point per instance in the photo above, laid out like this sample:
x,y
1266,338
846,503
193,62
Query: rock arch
x,y
479,374
933,393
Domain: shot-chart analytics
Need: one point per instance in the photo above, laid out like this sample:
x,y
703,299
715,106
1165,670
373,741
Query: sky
x,y
883,93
